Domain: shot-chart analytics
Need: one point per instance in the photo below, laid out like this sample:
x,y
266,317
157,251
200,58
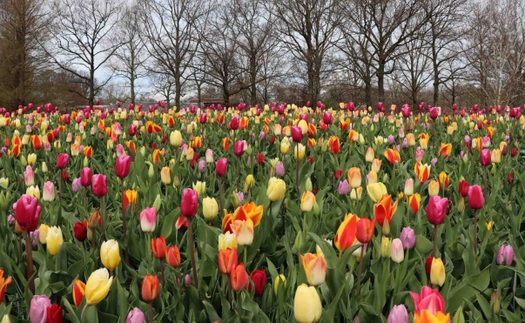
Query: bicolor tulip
x,y
227,259
150,288
4,282
148,219
422,171
244,231
354,177
392,155
429,299
445,149
307,201
97,286
314,268
307,304
433,188
79,289
444,180
426,316
505,255
29,176
48,193
227,240
384,209
485,157
376,165
165,176
345,236
130,197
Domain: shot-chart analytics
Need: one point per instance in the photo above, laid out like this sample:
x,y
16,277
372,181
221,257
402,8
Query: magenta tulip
x,y
297,134
85,176
189,203
62,160
122,166
475,197
221,167
436,209
27,212
99,185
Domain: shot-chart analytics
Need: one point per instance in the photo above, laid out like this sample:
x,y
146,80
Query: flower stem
x,y
29,263
435,241
124,228
162,271
360,270
475,233
192,251
220,195
151,312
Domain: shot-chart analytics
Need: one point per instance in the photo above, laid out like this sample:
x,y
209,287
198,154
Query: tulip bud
x,y
494,302
397,252
157,202
281,279
308,184
386,245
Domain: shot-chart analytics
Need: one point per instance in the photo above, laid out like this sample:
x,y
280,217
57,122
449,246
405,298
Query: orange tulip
x,y
445,149
158,246
344,124
312,130
314,268
173,256
311,142
3,284
353,135
346,233
477,143
365,230
414,202
384,209
196,143
392,155
227,260
426,316
244,122
354,177
247,211
150,288
239,278
88,151
225,143
79,288
334,144
37,143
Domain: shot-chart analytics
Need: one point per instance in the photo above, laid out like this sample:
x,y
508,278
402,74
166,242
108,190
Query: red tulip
x,y
234,123
158,247
132,129
122,166
485,157
62,160
85,176
365,230
64,175
436,209
54,314
221,166
239,277
463,187
338,173
428,264
238,148
27,212
297,134
513,151
99,185
510,177
260,158
80,230
259,281
189,203
475,197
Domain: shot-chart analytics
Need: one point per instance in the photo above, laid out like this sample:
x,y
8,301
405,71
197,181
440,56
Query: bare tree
x,y
309,28
171,29
130,58
21,60
81,34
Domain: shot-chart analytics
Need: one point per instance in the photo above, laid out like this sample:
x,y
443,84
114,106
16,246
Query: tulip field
x,y
275,213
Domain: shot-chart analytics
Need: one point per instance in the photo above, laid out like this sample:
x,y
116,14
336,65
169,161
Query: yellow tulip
x,y
97,286
299,151
285,145
199,187
6,319
307,201
4,181
386,246
33,191
210,208
54,240
437,272
376,191
307,304
42,233
276,189
110,254
165,176
369,156
433,188
31,159
227,240
281,279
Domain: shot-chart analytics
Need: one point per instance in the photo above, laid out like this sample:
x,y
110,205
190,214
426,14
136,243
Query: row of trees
x,y
439,51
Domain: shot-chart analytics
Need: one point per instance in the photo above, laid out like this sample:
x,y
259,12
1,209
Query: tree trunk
x,y
178,92
253,80
381,82
92,83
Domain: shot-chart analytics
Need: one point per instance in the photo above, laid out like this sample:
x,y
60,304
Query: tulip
x,y
365,230
148,219
505,255
239,277
475,197
392,155
429,300
220,166
376,165
299,151
189,203
4,282
281,279
27,211
285,146
354,177
173,256
165,176
343,187
258,278
386,247
485,157
227,240
33,191
408,238
85,176
199,187
176,138
463,188
345,236
307,201
409,187
384,209
54,240
238,148
398,314
80,230
356,193
276,189
376,191
210,208
38,308
6,319
48,192
297,134
136,316
437,272
436,209
307,304
150,288
433,188
122,166
397,254
426,316
314,268
227,259
158,247
279,169
79,289
110,254
54,314
244,231
29,176
99,185
62,159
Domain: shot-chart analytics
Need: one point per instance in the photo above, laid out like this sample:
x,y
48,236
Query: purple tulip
x,y
11,219
505,255
398,314
408,238
76,185
38,309
202,165
391,139
135,316
279,169
343,188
